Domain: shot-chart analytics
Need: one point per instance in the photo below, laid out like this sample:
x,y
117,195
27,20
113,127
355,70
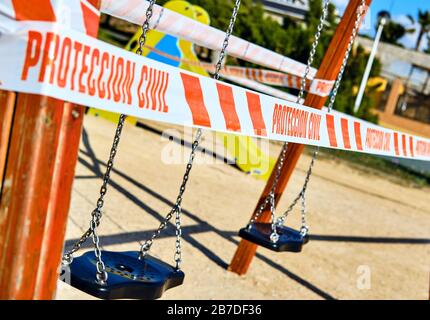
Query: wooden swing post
x,y
7,103
39,139
328,70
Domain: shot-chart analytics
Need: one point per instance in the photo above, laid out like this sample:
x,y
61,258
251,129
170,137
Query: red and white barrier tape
x,y
318,87
257,86
82,16
203,35
79,15
231,76
52,60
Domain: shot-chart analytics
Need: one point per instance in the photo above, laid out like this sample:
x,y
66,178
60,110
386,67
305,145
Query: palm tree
x,y
394,31
424,21
428,44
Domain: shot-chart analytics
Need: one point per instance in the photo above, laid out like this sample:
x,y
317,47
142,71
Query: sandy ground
x,y
369,236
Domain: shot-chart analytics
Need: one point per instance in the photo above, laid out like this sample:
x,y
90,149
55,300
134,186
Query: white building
x,y
278,9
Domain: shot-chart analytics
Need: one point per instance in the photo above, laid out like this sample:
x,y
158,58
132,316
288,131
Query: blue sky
x,y
399,9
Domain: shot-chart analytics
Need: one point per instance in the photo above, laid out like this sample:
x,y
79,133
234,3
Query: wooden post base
x,y
38,152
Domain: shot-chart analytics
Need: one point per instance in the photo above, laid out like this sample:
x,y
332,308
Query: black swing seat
x,y
289,239
128,276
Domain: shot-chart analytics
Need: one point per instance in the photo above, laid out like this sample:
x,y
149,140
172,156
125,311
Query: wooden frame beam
x,y
39,148
7,101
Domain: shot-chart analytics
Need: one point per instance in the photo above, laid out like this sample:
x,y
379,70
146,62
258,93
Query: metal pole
x,y
366,74
426,82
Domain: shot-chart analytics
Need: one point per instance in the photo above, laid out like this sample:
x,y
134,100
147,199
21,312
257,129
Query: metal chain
x,y
223,52
145,26
313,51
271,196
176,209
301,196
96,215
274,236
304,228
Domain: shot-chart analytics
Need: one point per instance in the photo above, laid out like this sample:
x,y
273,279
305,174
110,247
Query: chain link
x,y
313,51
96,215
271,196
145,26
302,195
176,209
360,11
223,52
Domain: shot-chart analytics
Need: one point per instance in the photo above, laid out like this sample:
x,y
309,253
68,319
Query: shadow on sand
x,y
201,225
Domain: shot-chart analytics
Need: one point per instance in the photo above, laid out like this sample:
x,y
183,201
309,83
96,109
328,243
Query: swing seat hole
x,y
122,267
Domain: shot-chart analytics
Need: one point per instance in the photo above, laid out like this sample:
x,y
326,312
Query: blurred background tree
x,y
393,32
424,29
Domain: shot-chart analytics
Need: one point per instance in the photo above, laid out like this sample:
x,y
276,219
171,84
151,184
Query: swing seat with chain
x,y
289,239
275,236
129,276
132,274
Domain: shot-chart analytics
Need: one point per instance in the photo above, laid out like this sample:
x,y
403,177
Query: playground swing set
x,y
136,274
